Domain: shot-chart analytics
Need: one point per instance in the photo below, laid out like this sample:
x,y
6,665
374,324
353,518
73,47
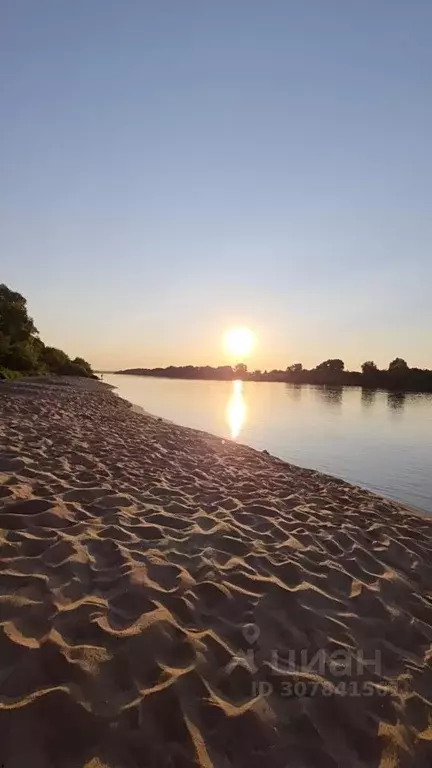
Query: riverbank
x,y
398,380
156,582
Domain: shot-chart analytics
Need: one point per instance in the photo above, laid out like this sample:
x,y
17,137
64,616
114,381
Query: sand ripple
x,y
171,599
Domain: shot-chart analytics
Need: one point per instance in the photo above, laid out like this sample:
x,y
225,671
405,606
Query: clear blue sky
x,y
170,168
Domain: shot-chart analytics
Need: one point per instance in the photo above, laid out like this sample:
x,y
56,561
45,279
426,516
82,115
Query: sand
x,y
171,599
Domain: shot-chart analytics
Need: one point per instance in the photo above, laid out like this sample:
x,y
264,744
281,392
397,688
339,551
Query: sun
x,y
239,342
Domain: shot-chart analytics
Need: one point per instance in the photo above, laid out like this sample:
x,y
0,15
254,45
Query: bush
x,y
6,374
398,365
21,356
73,369
20,347
335,365
84,365
53,359
369,368
15,323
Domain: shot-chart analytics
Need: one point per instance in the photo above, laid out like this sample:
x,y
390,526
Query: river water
x,y
380,440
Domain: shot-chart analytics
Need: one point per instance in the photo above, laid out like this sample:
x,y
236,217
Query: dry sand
x,y
155,581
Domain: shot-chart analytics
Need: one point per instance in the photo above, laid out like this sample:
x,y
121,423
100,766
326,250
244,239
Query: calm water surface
x,y
380,440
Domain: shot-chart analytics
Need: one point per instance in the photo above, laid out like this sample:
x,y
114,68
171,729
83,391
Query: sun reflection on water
x,y
236,409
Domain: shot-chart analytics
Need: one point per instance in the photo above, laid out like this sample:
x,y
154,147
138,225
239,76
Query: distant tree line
x,y
21,349
397,377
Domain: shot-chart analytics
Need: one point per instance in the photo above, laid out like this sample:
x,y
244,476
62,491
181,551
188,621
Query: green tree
x,y
54,359
15,324
20,346
334,364
295,368
369,367
81,363
22,356
4,345
398,365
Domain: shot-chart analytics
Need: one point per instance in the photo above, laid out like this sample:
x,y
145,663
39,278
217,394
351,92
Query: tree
x,y
54,359
17,332
4,345
369,368
398,365
21,349
81,363
15,324
240,369
74,369
295,368
22,356
334,364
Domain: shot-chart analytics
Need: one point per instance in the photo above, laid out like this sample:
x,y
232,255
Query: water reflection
x,y
385,447
368,397
331,395
396,400
236,409
294,391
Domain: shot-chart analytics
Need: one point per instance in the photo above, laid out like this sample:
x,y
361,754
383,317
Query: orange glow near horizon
x,y
239,342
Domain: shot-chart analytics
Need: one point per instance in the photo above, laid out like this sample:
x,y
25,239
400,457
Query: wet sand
x,y
170,599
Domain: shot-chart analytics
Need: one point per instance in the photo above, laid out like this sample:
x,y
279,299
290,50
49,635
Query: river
x,y
380,440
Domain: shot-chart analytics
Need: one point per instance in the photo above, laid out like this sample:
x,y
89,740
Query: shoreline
x,y
140,409
386,493
351,379
155,579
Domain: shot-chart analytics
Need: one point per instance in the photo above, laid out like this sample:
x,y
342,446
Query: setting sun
x,y
238,342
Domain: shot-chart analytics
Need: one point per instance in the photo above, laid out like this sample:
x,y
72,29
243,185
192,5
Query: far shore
x,y
415,381
168,597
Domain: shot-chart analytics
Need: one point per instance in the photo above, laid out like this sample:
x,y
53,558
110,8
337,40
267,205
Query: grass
x,y
6,373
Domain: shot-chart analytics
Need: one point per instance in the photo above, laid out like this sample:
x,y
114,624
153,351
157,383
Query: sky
x,y
172,168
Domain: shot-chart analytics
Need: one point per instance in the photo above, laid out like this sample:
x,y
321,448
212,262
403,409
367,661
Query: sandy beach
x,y
171,599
